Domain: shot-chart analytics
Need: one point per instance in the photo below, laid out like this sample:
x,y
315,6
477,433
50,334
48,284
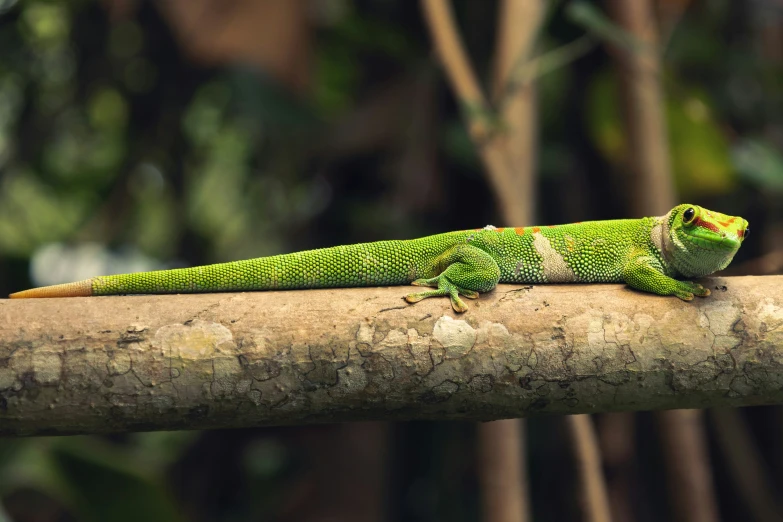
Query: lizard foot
x,y
456,302
686,290
444,287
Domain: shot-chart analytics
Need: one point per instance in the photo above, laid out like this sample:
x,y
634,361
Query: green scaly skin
x,y
648,254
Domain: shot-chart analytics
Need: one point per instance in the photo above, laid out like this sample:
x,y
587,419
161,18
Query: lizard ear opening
x,y
688,215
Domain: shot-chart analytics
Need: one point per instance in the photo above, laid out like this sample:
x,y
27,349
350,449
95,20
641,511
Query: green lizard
x,y
647,254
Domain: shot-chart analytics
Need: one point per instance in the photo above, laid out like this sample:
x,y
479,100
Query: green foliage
x,y
32,213
699,148
760,164
93,479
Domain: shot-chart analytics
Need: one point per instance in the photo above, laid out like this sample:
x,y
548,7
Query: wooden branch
x,y
136,363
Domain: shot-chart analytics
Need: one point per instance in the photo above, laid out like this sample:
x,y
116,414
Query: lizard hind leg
x,y
469,270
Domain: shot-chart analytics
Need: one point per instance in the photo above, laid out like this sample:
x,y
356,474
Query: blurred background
x,y
141,135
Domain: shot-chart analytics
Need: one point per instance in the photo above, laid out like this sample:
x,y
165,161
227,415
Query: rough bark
x,y
88,365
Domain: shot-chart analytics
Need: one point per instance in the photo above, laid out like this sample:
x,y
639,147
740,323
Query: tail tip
x,y
77,289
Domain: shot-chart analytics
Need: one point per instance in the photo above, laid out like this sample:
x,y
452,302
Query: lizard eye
x,y
688,215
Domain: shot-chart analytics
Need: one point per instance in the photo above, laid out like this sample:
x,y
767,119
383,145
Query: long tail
x,y
366,264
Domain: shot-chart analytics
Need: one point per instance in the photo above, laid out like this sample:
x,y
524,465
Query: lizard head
x,y
702,241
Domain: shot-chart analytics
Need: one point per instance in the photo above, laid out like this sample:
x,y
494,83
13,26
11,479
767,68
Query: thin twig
x,y
526,71
595,502
451,52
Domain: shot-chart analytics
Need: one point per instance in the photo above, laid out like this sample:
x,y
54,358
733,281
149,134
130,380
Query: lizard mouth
x,y
714,241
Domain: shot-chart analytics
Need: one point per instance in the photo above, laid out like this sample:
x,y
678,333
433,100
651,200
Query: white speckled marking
x,y
47,367
556,270
660,235
490,227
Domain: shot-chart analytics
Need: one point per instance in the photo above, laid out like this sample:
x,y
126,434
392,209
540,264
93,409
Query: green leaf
x,y
759,163
701,162
105,483
699,150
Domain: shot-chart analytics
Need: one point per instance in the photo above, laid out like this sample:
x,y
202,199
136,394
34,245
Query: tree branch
x,y
103,364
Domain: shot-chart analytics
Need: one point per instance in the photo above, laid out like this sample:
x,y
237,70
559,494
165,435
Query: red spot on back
x,y
499,229
706,224
551,226
536,230
520,231
741,233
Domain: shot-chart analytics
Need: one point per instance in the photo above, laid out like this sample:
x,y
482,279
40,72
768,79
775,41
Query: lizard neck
x,y
661,240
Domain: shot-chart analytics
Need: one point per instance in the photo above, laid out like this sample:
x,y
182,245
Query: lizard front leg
x,y
642,273
468,271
